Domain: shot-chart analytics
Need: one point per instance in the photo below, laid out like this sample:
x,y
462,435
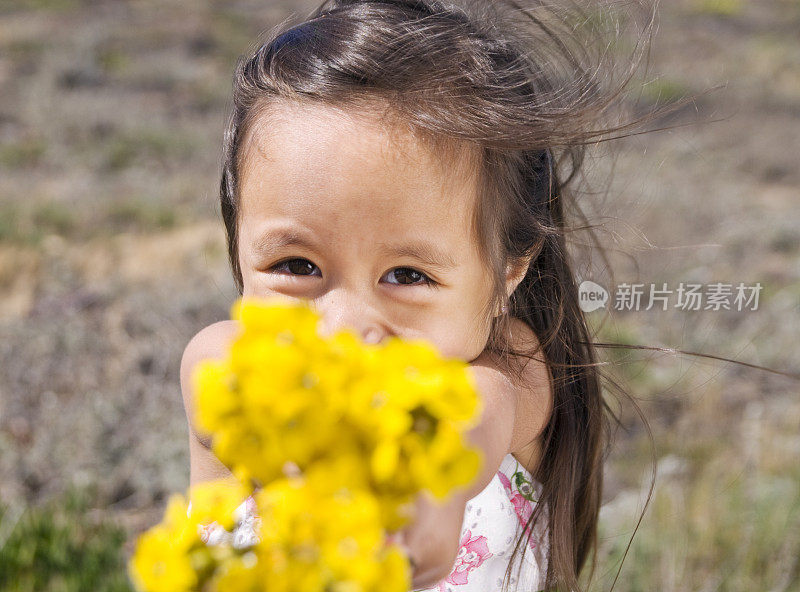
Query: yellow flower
x,y
385,459
446,463
243,573
215,501
161,560
213,385
300,534
395,571
158,565
367,425
273,315
457,398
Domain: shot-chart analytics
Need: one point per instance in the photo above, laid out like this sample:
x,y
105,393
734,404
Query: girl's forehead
x,y
310,138
310,162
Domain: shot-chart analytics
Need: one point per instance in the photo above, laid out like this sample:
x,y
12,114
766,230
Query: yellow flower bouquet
x,y
332,438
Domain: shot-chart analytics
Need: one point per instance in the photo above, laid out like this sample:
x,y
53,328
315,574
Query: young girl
x,y
401,165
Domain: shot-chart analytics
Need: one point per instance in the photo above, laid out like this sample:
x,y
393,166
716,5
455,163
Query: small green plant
x,y
133,147
60,547
663,90
140,215
719,7
54,217
49,5
27,152
9,223
111,60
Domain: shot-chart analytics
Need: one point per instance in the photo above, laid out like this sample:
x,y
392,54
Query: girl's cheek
x,y
461,348
258,284
473,342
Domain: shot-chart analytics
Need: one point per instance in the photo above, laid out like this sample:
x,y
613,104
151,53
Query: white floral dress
x,y
493,521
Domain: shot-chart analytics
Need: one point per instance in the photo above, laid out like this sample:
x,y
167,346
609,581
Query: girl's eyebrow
x,y
274,240
426,252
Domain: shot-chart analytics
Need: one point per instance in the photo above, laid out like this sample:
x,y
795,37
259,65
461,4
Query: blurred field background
x,y
112,256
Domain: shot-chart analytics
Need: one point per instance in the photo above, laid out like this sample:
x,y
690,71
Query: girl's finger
x,y
399,538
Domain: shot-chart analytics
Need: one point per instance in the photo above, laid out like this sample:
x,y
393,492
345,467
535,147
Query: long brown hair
x,y
525,89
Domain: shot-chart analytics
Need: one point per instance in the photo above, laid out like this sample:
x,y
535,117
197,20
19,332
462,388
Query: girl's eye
x,y
295,266
403,276
407,276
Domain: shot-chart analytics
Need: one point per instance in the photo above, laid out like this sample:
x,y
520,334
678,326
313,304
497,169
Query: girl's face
x,y
368,226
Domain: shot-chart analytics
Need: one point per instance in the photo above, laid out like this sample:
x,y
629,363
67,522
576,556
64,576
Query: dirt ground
x,y
112,252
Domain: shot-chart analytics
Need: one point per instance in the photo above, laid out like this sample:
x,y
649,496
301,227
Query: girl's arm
x,y
512,415
432,539
209,343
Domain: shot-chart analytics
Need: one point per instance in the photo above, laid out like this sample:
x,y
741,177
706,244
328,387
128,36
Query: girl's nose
x,y
352,314
372,335
368,332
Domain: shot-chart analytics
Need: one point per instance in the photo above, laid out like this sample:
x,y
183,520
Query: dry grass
x,y
112,256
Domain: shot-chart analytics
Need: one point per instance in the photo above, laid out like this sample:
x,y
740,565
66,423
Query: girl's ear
x,y
515,272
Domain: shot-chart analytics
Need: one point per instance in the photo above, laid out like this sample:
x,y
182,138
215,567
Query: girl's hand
x,y
431,540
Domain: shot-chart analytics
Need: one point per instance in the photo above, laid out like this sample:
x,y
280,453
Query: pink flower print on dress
x,y
205,530
472,552
523,506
